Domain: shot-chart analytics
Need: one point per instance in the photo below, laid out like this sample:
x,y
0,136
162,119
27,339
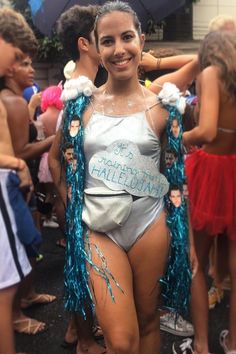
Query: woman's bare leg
x,y
6,328
71,335
148,259
199,294
117,318
20,320
81,331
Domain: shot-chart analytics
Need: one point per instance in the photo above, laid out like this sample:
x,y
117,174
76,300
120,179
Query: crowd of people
x,y
140,178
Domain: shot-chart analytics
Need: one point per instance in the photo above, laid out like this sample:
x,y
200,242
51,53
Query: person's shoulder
x,y
15,101
99,91
210,72
16,107
99,97
151,99
148,92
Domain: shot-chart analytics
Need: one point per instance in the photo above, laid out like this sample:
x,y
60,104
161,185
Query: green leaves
x,y
49,49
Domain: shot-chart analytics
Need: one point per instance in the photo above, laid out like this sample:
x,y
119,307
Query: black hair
x,y
170,151
76,22
174,187
120,6
67,146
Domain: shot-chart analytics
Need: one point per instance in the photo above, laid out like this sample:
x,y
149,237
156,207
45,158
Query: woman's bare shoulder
x,y
209,73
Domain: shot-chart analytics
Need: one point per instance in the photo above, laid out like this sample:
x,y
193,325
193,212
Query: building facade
x,y
205,10
190,22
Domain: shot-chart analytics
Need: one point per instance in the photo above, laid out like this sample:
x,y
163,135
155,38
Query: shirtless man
x,y
15,34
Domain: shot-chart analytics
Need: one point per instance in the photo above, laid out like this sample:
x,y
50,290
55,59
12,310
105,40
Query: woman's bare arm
x,y
18,121
182,77
206,130
150,63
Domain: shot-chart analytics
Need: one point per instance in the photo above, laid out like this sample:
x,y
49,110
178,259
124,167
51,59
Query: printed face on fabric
x,y
176,197
119,44
10,56
69,154
169,159
175,128
23,72
74,127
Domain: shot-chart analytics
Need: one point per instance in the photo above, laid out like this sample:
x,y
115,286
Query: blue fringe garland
x,y
177,280
78,297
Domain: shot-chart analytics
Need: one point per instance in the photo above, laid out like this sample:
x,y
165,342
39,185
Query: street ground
x,y
50,280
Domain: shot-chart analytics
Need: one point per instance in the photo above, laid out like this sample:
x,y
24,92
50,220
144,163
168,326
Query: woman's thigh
x,y
116,313
148,258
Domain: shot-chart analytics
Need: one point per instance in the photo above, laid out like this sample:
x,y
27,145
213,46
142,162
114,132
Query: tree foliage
x,y
49,49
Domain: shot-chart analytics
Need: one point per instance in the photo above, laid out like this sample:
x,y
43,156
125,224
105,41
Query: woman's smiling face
x,y
119,44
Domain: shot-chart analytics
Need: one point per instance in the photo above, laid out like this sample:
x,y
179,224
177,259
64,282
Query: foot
x,y
68,345
90,348
37,299
28,325
71,336
97,332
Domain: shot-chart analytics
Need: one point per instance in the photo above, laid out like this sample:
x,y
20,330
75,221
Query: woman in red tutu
x,y
211,173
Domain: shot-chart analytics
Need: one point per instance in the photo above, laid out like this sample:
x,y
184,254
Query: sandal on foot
x,y
222,338
97,332
38,299
28,326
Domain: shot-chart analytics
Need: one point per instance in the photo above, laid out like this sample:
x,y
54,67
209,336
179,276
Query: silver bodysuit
x,y
101,132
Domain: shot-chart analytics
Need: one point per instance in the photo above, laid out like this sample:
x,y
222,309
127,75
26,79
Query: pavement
x,y
49,279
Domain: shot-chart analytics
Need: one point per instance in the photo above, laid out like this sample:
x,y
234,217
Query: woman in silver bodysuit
x,y
123,127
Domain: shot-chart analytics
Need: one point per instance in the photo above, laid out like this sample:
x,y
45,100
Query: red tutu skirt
x,y
212,192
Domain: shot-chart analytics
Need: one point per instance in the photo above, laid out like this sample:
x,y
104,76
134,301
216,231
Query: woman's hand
x,y
149,62
35,100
